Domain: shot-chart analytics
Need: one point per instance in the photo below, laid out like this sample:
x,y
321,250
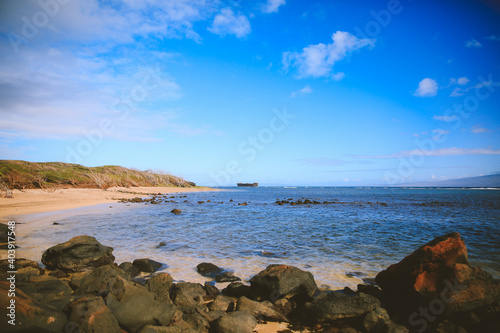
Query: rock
x,y
330,306
77,278
212,271
439,271
259,309
238,289
58,274
187,294
78,254
92,315
278,281
165,329
100,280
44,288
159,286
235,322
378,321
222,303
211,290
129,268
226,277
30,315
22,266
147,265
208,269
134,306
176,211
4,236
196,318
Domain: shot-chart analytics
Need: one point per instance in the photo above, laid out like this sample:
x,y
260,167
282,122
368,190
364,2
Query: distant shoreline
x,y
34,201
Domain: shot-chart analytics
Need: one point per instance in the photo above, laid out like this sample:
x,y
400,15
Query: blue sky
x,y
279,92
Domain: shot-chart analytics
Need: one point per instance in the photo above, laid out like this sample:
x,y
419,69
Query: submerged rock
x,y
215,272
78,254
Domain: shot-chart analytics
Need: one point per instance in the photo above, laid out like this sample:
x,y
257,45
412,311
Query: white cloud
x,y
478,129
463,81
426,88
453,151
318,60
304,91
338,76
445,118
493,37
228,23
473,43
272,6
456,92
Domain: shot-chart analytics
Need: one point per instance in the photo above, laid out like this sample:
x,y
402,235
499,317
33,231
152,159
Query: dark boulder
x,y
208,269
134,306
99,281
78,254
187,294
129,268
147,265
238,289
44,288
165,329
212,291
159,285
235,322
221,303
263,310
30,315
176,211
90,314
331,306
219,274
21,266
278,281
4,236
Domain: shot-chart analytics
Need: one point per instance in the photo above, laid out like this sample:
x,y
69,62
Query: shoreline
x,y
35,201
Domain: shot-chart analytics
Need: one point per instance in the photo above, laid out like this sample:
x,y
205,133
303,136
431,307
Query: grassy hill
x,y
26,175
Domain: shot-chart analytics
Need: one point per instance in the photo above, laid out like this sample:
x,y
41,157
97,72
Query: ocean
x,y
343,243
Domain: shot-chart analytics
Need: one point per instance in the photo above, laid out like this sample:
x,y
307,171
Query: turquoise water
x,y
342,243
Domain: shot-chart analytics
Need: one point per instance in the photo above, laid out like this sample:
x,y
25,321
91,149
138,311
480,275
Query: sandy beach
x,y
47,200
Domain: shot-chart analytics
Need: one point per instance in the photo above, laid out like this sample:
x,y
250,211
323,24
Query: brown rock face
x,y
439,270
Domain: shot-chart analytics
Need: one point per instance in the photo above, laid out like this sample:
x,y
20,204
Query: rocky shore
x,y
82,289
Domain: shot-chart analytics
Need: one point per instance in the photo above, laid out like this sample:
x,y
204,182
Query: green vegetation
x,y
26,175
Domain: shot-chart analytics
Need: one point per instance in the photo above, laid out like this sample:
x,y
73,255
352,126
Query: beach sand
x,y
49,200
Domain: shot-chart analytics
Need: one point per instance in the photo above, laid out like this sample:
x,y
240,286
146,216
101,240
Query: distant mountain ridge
x,y
481,181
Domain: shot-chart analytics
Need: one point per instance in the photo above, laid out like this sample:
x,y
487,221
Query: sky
x,y
280,92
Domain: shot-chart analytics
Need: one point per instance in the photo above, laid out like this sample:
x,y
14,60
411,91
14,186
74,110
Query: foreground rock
x,y
134,306
235,322
435,290
278,281
438,279
30,315
78,254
